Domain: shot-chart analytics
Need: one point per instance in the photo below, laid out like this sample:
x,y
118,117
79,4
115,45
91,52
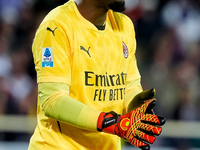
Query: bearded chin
x,y
117,6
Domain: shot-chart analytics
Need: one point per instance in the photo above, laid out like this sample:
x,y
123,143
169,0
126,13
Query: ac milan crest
x,y
125,50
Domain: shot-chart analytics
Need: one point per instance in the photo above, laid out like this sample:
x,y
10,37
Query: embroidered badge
x,y
125,50
47,57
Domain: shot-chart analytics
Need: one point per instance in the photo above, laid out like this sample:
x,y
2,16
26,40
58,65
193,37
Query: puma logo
x,y
49,29
87,51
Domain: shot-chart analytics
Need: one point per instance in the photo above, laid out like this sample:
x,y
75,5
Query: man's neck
x,y
95,15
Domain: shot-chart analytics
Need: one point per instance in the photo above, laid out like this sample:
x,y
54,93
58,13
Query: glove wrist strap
x,y
107,122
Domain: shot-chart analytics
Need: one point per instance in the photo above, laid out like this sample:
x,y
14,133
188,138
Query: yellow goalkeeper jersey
x,y
96,64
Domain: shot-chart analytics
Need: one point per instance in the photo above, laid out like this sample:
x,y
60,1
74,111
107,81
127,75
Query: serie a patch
x,y
47,57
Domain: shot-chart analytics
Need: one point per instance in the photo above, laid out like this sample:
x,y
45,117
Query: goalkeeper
x,y
89,91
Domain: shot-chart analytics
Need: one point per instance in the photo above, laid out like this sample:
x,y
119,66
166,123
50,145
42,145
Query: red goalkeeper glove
x,y
140,99
138,127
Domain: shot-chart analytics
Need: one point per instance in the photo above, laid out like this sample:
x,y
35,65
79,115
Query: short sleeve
x,y
51,52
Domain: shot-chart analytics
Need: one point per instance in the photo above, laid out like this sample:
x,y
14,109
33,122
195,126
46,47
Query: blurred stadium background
x,y
168,53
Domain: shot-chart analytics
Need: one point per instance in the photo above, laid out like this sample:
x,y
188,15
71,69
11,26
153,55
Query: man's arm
x,y
57,103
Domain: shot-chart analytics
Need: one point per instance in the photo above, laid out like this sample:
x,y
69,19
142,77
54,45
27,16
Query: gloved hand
x,y
140,98
138,127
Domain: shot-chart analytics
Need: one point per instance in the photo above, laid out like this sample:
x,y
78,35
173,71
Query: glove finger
x,y
150,129
133,132
147,94
153,119
140,99
150,106
146,147
144,137
137,142
147,106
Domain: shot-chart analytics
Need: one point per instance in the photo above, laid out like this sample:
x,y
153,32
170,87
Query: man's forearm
x,y
60,106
